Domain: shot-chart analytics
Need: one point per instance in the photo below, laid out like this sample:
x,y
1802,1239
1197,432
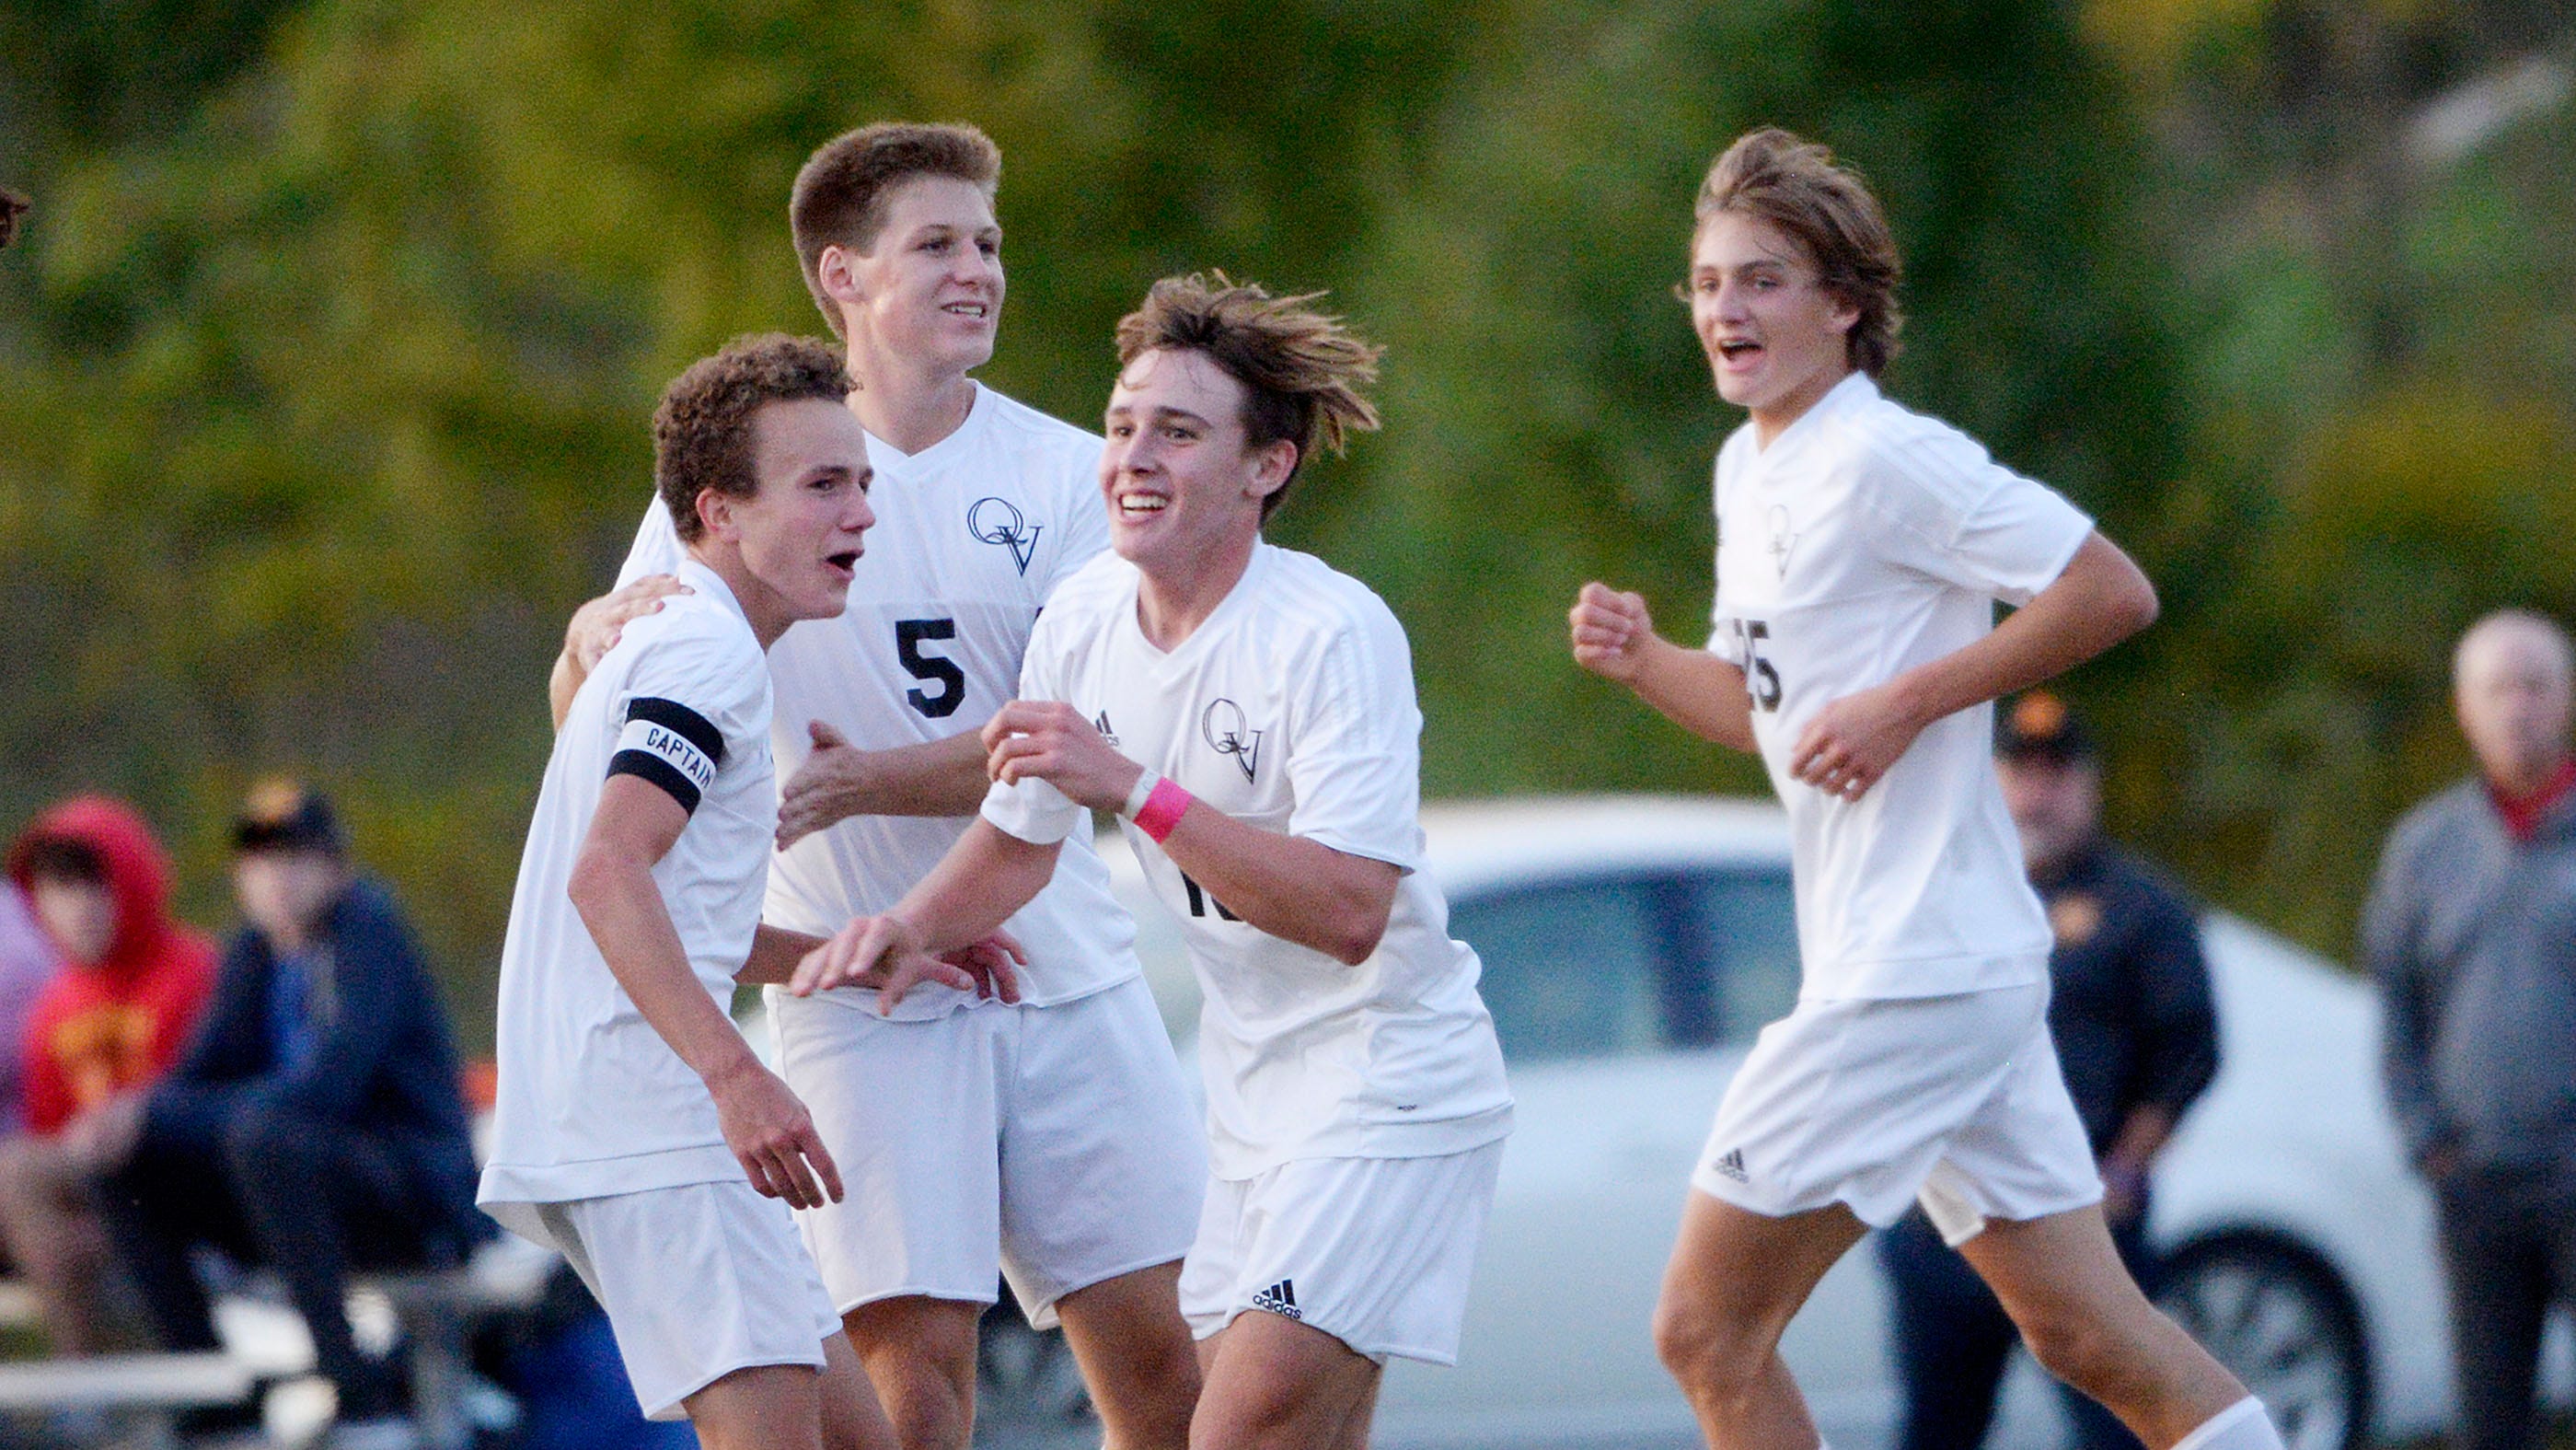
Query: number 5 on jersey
x,y
1761,681
930,669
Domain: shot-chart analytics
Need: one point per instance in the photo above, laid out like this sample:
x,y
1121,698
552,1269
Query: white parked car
x,y
1632,948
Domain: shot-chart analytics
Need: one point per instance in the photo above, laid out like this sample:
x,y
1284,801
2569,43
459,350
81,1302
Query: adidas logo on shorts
x,y
1279,1299
1732,1166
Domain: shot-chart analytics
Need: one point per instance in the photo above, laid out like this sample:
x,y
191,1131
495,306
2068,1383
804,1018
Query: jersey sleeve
x,y
656,549
1355,746
1086,521
1948,510
683,712
1034,810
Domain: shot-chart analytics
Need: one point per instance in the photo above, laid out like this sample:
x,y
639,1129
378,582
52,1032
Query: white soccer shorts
x,y
1875,1103
699,1281
1055,1145
1376,1252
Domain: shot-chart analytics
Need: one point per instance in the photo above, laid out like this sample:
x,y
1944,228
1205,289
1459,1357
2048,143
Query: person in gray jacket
x,y
2471,932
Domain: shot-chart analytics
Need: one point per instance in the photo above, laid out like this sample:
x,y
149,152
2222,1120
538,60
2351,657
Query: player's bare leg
x,y
920,1355
1355,1427
1736,1280
852,1418
1134,1348
767,1407
2086,1322
1276,1384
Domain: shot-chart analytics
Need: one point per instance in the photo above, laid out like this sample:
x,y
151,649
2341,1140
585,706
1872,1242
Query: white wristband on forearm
x,y
1145,783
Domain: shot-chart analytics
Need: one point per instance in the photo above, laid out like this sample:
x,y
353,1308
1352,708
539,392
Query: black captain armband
x,y
670,745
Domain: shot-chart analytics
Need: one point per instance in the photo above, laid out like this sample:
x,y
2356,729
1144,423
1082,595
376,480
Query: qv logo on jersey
x,y
999,521
1782,541
1222,725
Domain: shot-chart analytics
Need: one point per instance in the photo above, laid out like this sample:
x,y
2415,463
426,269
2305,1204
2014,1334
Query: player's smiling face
x,y
930,289
1182,484
1775,337
799,535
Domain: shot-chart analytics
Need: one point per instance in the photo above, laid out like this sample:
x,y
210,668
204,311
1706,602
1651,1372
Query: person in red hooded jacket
x,y
115,1018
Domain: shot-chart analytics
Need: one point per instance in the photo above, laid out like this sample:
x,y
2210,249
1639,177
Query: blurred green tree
x,y
326,362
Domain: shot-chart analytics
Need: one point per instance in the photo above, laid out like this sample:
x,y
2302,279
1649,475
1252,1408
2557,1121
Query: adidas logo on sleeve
x,y
1732,1166
1279,1299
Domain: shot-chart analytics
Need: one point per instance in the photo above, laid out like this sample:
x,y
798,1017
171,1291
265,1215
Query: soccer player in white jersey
x,y
1053,1139
1250,714
1861,550
635,1130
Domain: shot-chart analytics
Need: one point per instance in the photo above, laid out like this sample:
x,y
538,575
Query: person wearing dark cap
x,y
2136,1029
315,1124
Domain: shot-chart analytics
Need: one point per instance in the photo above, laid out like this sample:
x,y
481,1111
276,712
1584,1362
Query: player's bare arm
x,y
775,951
1295,889
2101,599
612,886
839,780
982,881
594,631
1615,638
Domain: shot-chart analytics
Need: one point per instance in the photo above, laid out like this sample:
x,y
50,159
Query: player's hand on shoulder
x,y
1610,629
596,626
1050,740
1852,742
826,790
772,1136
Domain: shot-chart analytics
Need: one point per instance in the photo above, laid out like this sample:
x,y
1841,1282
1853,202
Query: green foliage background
x,y
325,364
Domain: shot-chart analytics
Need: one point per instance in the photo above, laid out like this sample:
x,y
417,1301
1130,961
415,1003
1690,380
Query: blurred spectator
x,y
12,207
116,1016
2471,931
315,1125
559,1360
2136,1030
28,962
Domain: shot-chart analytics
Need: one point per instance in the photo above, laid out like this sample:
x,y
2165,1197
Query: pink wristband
x,y
1162,810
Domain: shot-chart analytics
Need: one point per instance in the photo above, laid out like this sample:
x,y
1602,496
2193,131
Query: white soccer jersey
x,y
592,1101
1867,540
1292,708
972,533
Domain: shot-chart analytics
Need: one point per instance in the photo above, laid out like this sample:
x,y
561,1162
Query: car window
x,y
1749,919
1569,966
1614,966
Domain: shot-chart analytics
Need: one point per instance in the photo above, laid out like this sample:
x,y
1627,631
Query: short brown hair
x,y
1301,369
840,195
702,431
61,858
1826,208
12,207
